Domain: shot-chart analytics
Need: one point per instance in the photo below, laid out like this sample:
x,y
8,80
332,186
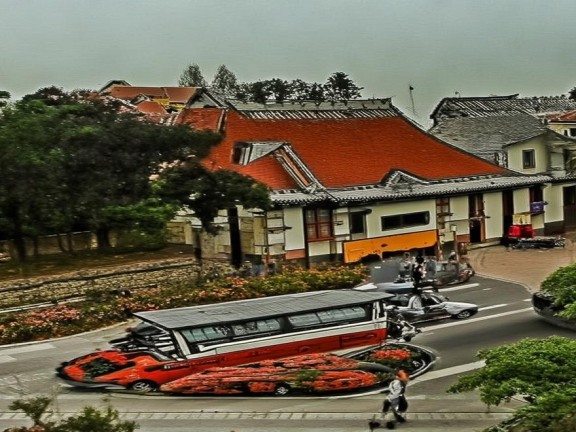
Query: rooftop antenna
x,y
412,99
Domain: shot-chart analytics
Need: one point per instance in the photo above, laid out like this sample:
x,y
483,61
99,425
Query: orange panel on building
x,y
355,250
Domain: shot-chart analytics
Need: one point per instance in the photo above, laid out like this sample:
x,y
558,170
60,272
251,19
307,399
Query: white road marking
x,y
473,320
454,370
459,287
493,306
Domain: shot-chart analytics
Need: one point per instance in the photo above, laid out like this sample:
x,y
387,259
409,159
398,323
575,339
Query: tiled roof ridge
x,y
488,106
369,193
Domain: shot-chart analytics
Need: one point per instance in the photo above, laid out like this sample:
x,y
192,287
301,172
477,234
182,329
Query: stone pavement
x,y
525,266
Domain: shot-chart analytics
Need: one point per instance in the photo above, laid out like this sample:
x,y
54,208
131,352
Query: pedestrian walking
x,y
418,271
395,401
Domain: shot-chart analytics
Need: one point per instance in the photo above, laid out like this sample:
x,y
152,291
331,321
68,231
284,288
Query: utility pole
x,y
412,99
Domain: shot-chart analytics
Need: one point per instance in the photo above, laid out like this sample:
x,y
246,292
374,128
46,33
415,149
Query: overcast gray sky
x,y
440,47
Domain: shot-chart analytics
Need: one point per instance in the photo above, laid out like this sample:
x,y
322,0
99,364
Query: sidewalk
x,y
526,266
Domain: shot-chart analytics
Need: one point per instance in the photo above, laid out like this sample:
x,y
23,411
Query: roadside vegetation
x,y
38,410
103,308
72,162
541,372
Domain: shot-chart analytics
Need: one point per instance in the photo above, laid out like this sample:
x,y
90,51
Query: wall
x,y
35,290
541,156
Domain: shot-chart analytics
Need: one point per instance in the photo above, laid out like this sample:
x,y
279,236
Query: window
x,y
209,333
528,159
404,220
572,132
253,327
536,194
330,316
318,224
357,223
443,206
241,153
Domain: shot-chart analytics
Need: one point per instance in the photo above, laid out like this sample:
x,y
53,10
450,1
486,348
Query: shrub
x,y
562,285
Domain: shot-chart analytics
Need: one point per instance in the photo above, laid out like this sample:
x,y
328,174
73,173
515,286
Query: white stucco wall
x,y
553,195
373,220
540,153
521,200
459,210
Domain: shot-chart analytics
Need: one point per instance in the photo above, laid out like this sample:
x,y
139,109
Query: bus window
x,y
304,320
203,334
342,314
254,327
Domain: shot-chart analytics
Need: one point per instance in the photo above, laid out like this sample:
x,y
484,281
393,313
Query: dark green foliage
x,y
192,77
340,88
562,285
72,163
543,369
205,193
89,420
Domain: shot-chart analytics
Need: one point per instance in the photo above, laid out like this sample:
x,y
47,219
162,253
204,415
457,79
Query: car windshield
x,y
102,366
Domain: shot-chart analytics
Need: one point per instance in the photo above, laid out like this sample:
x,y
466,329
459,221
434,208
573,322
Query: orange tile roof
x,y
568,117
151,107
347,152
202,119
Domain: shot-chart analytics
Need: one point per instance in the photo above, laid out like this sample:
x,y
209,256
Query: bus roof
x,y
257,308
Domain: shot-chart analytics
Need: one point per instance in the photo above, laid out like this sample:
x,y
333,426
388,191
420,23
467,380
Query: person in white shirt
x,y
396,400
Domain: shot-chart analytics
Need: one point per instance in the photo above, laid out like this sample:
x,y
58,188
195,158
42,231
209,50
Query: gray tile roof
x,y
391,192
486,136
489,106
365,108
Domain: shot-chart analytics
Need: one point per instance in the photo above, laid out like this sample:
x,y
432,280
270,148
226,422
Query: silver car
x,y
425,306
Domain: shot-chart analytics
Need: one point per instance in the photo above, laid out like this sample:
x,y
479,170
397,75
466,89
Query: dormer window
x,y
528,159
241,153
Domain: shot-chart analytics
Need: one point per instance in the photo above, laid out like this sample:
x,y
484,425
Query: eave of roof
x,y
376,193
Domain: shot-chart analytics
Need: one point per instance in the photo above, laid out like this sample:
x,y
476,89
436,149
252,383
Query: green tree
x,y
562,285
89,420
543,370
82,159
224,81
572,94
192,77
280,90
339,87
4,98
259,92
317,93
29,163
205,192
300,90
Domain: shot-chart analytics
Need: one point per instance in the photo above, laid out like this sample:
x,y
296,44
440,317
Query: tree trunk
x,y
103,238
70,241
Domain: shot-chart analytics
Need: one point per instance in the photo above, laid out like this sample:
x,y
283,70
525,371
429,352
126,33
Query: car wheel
x,y
143,386
463,315
282,389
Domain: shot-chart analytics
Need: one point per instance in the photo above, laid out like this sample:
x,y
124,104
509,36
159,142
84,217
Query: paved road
x,y
505,315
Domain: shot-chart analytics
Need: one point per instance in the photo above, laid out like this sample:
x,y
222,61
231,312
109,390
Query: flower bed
x,y
412,358
311,373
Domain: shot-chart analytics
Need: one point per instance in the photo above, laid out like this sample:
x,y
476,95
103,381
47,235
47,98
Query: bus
x,y
172,343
